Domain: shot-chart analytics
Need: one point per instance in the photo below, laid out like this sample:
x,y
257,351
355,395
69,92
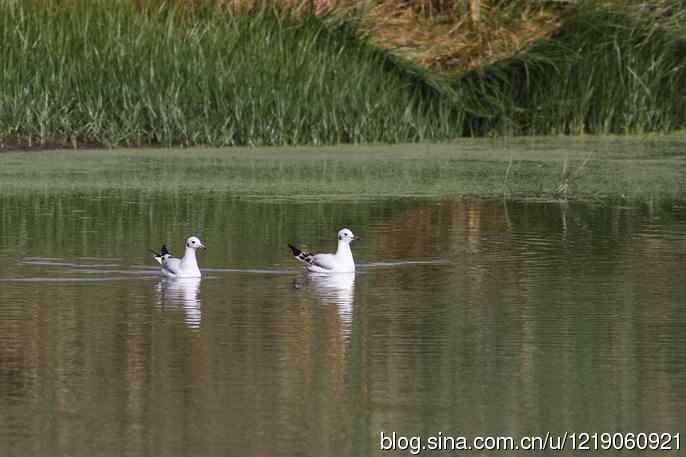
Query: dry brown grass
x,y
441,35
450,41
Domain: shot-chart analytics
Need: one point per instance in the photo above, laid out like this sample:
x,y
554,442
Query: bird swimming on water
x,y
340,262
186,266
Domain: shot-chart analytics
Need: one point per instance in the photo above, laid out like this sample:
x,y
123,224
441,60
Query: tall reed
x,y
604,71
100,71
137,73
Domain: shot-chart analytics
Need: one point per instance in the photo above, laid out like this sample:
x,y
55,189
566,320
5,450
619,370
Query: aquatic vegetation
x,y
619,169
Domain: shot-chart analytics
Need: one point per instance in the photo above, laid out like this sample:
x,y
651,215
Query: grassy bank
x,y
104,73
101,72
605,70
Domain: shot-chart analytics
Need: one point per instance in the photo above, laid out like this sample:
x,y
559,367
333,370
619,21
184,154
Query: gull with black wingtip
x,y
186,266
340,262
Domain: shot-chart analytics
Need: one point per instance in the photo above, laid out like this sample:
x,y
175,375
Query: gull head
x,y
194,243
346,235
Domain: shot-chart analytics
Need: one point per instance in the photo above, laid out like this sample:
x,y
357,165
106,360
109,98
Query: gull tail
x,y
304,257
159,256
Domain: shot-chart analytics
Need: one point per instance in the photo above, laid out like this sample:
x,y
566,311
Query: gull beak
x,y
202,246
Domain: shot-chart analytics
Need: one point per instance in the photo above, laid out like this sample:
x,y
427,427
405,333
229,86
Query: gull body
x,y
186,266
340,262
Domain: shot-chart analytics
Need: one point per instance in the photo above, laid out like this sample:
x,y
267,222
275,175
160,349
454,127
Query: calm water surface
x,y
466,317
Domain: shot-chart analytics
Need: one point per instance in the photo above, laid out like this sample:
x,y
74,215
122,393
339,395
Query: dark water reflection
x,y
465,317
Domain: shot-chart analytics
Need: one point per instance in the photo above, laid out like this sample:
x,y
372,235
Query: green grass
x,y
605,71
100,73
96,71
612,169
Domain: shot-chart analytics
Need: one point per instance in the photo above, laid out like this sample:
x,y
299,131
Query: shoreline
x,y
537,140
605,170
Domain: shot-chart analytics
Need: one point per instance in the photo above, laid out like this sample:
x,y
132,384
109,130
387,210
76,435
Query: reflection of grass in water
x,y
621,169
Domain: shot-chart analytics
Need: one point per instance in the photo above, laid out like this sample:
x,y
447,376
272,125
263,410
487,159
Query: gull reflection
x,y
338,289
183,294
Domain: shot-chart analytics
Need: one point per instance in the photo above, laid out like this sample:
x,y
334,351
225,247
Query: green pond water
x,y
482,305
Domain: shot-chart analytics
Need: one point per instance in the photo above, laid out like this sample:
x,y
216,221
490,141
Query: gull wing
x,y
324,261
170,265
318,261
164,253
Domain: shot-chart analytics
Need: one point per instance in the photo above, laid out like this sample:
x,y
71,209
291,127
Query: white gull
x,y
186,266
340,262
